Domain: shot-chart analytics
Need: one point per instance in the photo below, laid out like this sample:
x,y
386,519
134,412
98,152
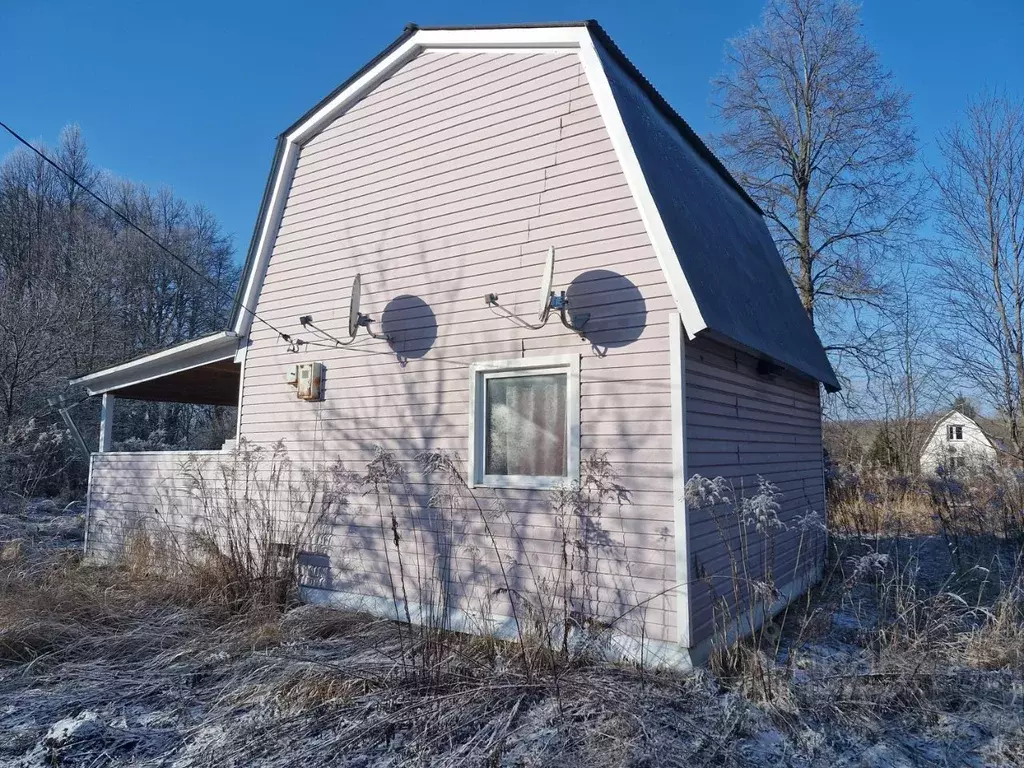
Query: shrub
x,y
258,517
747,596
33,459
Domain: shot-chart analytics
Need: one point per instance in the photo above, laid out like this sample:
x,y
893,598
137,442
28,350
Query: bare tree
x,y
80,290
910,377
980,274
820,135
32,346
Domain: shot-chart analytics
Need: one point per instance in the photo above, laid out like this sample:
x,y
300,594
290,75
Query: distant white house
x,y
956,442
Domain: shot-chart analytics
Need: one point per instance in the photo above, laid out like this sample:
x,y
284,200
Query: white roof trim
x,y
965,417
191,354
556,38
693,321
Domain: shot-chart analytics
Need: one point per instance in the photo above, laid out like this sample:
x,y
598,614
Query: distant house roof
x,y
723,269
997,444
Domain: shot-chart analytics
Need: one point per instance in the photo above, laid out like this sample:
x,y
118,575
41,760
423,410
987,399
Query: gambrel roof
x,y
717,255
993,442
738,279
719,259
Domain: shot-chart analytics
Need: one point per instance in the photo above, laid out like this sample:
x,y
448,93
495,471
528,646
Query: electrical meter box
x,y
307,378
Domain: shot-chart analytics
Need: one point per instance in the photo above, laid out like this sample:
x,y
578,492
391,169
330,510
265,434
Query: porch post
x,y
106,422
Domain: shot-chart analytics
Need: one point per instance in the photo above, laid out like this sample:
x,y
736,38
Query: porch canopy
x,y
203,372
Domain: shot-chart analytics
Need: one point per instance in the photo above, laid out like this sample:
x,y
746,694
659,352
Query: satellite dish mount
x,y
549,300
357,319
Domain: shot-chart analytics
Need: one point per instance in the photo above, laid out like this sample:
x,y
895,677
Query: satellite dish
x,y
353,307
544,302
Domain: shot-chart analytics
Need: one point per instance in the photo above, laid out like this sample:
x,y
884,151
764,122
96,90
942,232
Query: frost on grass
x,y
900,657
106,667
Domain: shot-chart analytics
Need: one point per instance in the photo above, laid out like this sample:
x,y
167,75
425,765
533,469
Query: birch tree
x,y
979,273
819,133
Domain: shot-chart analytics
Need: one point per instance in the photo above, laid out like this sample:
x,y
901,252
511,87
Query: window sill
x,y
521,482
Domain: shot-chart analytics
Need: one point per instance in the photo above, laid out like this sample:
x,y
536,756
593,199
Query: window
x,y
525,426
955,432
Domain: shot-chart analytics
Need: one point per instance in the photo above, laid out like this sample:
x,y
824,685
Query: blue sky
x,y
192,94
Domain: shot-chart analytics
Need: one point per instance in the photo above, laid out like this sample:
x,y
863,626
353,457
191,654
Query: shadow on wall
x,y
411,327
618,312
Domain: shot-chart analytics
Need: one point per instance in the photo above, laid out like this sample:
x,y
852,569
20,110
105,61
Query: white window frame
x,y
479,373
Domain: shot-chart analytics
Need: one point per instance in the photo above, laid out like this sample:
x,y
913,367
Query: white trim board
x,y
566,364
677,379
671,267
555,39
613,645
183,357
241,357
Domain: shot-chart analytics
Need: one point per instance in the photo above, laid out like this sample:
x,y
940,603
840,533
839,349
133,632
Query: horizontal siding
x,y
494,248
293,291
742,426
447,182
141,494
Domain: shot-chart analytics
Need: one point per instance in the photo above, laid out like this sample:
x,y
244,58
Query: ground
x,y
115,666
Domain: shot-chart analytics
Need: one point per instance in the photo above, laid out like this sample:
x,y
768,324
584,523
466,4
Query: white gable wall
x,y
975,448
447,182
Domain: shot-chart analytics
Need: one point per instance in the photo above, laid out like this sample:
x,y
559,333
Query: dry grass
x,y
915,633
900,656
158,671
998,640
58,609
899,512
173,674
978,502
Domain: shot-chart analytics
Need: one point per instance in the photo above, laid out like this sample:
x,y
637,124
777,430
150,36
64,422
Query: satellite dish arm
x,y
364,322
492,301
575,323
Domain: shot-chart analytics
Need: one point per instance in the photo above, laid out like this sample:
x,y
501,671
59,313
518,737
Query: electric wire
x,y
294,343
85,188
337,343
391,355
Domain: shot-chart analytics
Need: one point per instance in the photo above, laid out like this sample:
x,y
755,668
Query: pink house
x,y
443,174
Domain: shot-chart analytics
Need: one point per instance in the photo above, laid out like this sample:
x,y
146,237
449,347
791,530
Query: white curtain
x,y
526,425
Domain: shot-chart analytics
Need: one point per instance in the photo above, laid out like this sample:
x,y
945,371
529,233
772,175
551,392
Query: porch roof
x,y
202,371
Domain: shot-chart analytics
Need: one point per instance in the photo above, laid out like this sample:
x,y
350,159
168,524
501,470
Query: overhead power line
x,y
295,342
